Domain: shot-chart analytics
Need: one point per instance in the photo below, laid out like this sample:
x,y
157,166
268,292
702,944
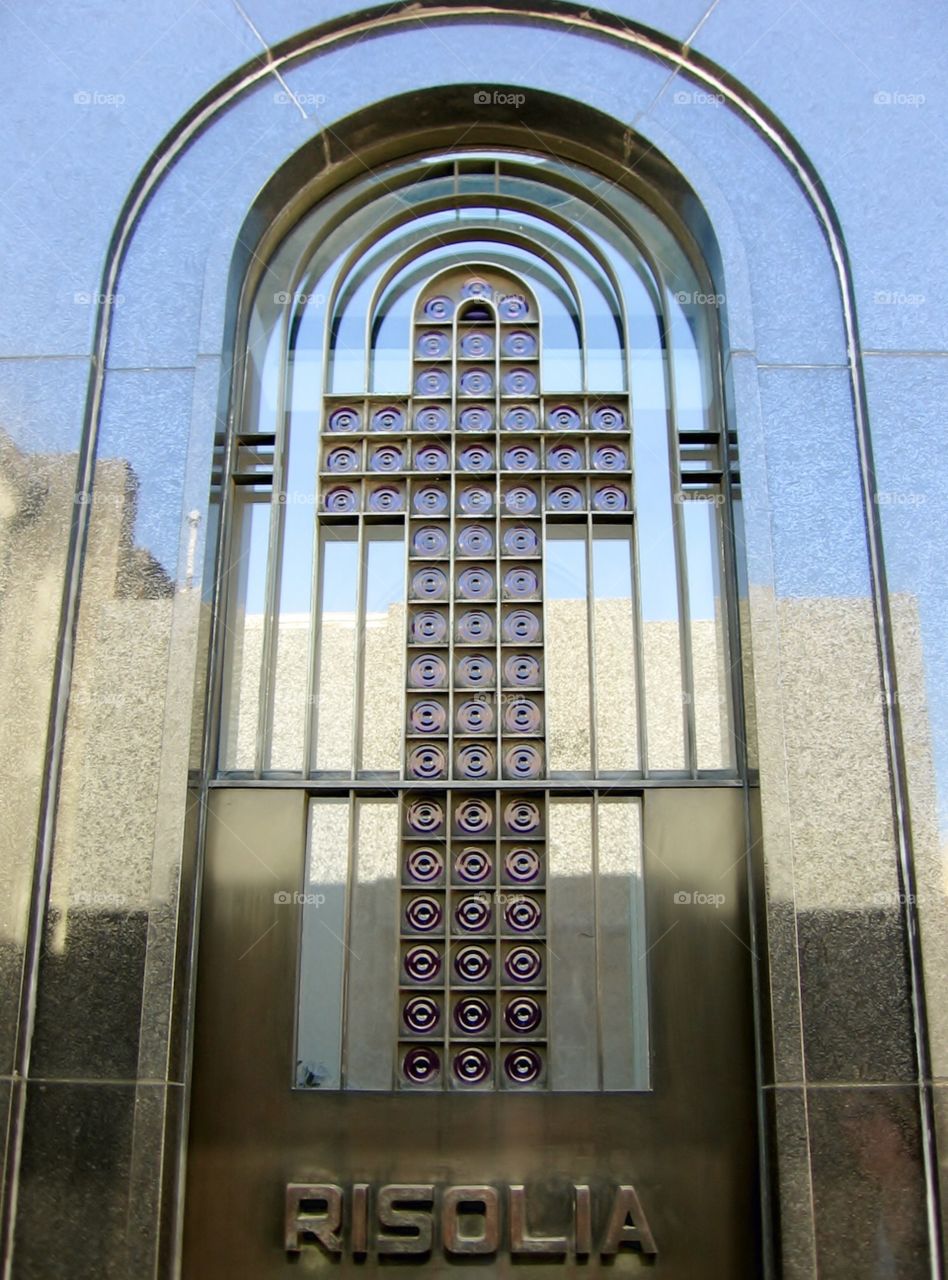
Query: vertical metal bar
x,y
593,803
357,692
591,643
353,815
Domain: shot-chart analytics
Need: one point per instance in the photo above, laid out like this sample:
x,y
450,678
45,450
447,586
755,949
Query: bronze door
x,y
285,1181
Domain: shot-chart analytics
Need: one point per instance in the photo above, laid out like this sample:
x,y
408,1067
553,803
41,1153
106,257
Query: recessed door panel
x,y
529,1184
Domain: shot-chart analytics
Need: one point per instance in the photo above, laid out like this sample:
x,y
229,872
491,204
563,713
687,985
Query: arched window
x,y
477,597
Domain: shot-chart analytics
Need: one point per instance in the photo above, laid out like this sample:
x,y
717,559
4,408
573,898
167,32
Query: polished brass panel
x,y
682,1153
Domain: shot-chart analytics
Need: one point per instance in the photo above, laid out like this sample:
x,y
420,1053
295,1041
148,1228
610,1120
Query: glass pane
x,y
708,636
246,588
617,744
322,953
371,1023
383,673
571,926
336,647
567,650
622,973
658,567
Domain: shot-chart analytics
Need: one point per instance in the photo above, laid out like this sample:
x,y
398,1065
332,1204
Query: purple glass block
x,y
512,307
523,1066
522,715
472,1066
386,497
475,671
519,382
429,583
432,417
341,499
427,762
423,914
438,308
432,345
520,457
522,817
424,865
520,417
476,287
427,716
432,457
387,457
345,418
475,540
523,964
475,417
609,497
520,343
475,627
472,964
422,963
520,500
430,501
472,1015
430,541
609,457
521,582
476,382
477,345
523,761
421,1065
608,417
424,817
422,1014
388,418
428,671
522,669
565,497
476,761
475,500
564,457
342,459
475,583
522,865
563,417
522,626
473,913
429,627
476,457
473,865
523,914
523,1015
475,716
432,382
521,540
473,816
